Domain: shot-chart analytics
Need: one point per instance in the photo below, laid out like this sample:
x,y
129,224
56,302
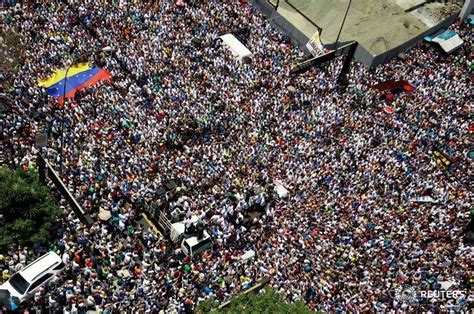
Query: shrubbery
x,y
28,210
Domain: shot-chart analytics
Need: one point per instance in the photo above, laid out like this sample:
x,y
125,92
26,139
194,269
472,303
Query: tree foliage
x,y
267,301
28,210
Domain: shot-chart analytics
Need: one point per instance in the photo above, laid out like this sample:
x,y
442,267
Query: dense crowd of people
x,y
179,107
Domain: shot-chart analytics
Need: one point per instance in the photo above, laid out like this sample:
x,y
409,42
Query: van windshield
x,y
19,283
202,245
187,248
197,248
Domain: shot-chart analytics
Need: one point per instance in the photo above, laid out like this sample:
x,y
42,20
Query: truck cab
x,y
191,243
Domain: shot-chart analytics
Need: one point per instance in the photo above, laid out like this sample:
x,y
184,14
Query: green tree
x,y
28,210
268,301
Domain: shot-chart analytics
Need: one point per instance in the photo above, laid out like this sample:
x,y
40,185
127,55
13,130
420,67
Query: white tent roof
x,y
236,47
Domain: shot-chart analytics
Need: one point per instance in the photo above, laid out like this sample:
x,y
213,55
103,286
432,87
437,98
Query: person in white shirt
x,y
66,257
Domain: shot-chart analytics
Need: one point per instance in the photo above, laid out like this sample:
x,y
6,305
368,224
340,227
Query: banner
x,y
424,199
314,45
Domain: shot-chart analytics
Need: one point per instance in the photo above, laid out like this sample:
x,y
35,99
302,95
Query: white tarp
x,y
239,51
247,255
281,191
424,199
449,41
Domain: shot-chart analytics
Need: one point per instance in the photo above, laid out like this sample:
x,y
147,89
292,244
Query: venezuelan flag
x,y
79,77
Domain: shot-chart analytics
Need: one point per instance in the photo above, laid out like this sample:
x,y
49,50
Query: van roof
x,y
43,263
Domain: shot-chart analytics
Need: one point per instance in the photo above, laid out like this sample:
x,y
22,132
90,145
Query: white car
x,y
25,283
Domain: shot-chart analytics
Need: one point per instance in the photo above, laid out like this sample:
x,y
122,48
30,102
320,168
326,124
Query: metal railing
x,y
45,171
164,222
303,15
263,282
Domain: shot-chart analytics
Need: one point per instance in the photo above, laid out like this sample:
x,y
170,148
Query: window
x,y
202,245
60,266
19,283
186,246
39,282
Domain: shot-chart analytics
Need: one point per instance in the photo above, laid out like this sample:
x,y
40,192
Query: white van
x,y
192,246
25,283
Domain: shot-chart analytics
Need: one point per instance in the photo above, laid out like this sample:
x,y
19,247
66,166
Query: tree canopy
x,y
267,301
28,210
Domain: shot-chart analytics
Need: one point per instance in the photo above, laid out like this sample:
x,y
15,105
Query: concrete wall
x,y
363,56
279,22
467,9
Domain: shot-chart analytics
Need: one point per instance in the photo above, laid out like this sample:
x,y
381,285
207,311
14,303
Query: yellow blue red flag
x,y
78,77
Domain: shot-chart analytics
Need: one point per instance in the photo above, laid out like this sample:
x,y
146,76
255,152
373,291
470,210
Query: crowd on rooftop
x,y
352,230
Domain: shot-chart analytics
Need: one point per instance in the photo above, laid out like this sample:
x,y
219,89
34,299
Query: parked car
x,y
25,283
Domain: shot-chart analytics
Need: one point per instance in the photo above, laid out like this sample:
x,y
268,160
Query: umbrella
x,y
104,215
282,191
388,109
291,88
